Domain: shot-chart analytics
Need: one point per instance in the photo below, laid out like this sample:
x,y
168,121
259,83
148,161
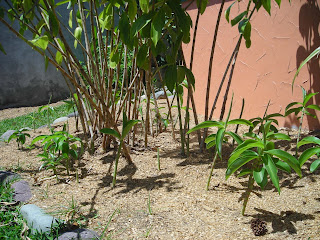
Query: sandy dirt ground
x,y
171,203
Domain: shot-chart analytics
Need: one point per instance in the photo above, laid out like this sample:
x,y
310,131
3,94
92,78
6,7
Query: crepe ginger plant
x,y
20,136
216,140
258,157
126,127
59,149
302,109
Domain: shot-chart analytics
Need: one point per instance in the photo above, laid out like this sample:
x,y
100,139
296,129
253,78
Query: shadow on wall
x,y
309,23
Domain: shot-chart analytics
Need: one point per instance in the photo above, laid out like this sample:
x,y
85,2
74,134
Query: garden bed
x,y
171,203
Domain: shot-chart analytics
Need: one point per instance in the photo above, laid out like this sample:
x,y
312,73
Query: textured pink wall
x,y
264,72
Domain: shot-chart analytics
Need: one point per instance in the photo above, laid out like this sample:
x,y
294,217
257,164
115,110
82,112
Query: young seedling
x,y
302,107
126,127
216,140
308,153
260,158
20,136
149,205
158,159
58,149
46,110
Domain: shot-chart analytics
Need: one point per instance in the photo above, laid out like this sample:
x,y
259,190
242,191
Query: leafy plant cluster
x,y
60,149
257,155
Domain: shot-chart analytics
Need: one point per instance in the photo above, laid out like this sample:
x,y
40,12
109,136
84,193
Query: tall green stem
x,y
249,190
180,122
211,171
116,164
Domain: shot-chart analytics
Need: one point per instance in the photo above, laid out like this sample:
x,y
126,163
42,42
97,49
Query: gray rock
x,y
73,114
26,128
6,177
61,119
22,191
83,234
160,95
6,135
37,220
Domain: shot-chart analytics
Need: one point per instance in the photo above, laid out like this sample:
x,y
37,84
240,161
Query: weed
x,y
158,159
260,158
127,125
303,109
107,225
149,205
58,149
20,136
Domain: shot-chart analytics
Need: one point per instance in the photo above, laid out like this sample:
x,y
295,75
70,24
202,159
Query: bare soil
x,y
180,207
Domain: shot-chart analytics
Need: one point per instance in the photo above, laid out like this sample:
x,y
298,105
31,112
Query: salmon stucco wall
x,y
265,71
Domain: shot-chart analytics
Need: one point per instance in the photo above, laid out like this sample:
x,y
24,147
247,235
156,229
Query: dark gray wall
x,y
23,79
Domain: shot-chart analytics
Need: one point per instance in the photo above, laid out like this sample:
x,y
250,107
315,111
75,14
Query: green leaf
x,y
308,97
308,140
244,158
288,158
272,170
180,74
124,27
307,154
184,20
315,165
205,124
77,34
227,12
13,136
238,18
278,136
111,132
62,2
267,5
189,75
240,121
245,172
290,105
59,57
294,110
157,25
261,177
219,140
202,5
210,138
128,127
210,144
282,165
247,34
247,144
37,139
64,147
73,153
41,42
132,9
70,19
144,5
313,106
235,136
53,24
140,23
171,77
142,55
2,49
278,2
312,55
